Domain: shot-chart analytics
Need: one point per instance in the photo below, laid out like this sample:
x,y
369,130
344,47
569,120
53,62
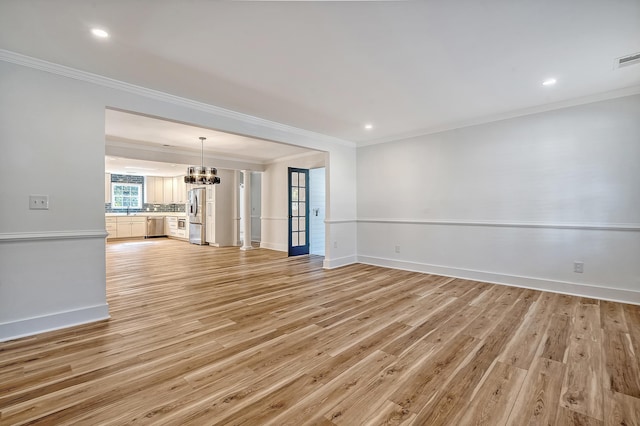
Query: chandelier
x,y
202,175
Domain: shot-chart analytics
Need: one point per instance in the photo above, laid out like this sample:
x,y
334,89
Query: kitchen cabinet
x,y
149,189
165,190
172,230
171,225
167,225
168,190
179,190
154,190
139,228
111,227
107,187
131,226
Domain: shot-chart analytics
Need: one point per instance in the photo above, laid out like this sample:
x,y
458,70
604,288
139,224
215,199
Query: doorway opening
x,y
256,207
306,211
298,211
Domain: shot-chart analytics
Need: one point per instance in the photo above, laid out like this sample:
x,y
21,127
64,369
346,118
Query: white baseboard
x,y
338,262
273,246
29,327
563,287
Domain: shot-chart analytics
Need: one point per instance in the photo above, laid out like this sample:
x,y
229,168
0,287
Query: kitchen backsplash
x,y
162,208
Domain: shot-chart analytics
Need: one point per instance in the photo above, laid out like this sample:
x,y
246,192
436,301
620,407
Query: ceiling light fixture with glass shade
x,y
200,174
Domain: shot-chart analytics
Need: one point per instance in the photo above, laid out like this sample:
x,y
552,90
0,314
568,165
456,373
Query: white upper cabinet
x,y
180,190
154,190
168,190
150,189
165,190
158,190
107,187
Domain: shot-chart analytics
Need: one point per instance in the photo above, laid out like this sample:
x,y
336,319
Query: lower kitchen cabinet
x,y
136,227
111,227
131,226
139,229
173,231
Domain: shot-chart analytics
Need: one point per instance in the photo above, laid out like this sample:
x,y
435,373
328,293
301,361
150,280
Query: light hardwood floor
x,y
219,336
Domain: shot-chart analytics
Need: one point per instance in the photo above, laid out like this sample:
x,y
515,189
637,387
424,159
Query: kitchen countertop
x,y
150,214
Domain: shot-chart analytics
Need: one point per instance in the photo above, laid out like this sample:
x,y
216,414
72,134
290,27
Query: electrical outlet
x,y
335,244
38,202
397,249
578,267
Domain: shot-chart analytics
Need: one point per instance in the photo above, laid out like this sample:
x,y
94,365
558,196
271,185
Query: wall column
x,y
246,210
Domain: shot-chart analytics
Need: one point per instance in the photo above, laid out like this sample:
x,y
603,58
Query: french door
x,y
298,211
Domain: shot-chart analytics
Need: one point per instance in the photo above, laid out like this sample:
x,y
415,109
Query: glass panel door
x,y
298,211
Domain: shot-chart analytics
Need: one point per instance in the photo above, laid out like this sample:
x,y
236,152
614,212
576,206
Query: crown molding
x,y
62,70
619,93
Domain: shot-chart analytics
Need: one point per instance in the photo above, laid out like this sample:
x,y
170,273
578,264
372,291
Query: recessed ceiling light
x,y
368,126
99,33
549,82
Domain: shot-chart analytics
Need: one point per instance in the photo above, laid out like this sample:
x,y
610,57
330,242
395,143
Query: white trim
x,y
562,287
273,246
340,220
52,235
273,218
39,64
31,326
296,156
582,226
613,94
337,262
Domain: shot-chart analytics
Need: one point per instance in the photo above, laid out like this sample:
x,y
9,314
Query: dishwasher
x,y
155,227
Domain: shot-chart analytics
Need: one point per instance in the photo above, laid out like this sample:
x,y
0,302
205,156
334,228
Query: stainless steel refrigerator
x,y
197,216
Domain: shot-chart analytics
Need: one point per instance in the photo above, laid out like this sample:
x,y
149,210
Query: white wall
x,y
275,198
52,262
222,227
52,270
515,201
317,206
340,223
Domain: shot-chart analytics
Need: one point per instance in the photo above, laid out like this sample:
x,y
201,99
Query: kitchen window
x,y
126,195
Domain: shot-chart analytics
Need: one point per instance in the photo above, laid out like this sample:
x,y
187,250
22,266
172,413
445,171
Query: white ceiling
x,y
330,67
152,133
128,166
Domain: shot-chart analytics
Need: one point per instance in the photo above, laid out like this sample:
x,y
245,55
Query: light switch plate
x,y
38,202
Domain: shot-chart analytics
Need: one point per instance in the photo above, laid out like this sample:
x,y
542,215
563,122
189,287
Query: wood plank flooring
x,y
201,336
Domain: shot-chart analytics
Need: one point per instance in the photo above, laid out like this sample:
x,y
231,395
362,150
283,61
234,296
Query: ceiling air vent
x,y
629,60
